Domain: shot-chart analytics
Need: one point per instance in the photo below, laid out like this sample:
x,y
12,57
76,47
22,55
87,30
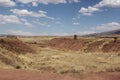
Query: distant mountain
x,y
114,33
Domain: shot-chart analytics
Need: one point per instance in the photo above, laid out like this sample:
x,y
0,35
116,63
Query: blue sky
x,y
58,17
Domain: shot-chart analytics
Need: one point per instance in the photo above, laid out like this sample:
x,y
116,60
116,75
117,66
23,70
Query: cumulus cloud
x,y
104,3
25,12
9,19
108,3
88,11
76,1
108,26
22,12
7,3
26,23
18,32
42,1
46,2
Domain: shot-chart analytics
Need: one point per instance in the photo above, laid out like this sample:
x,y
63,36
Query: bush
x,y
18,67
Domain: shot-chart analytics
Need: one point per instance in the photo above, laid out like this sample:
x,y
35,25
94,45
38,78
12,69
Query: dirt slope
x,y
68,44
85,45
15,45
112,46
95,46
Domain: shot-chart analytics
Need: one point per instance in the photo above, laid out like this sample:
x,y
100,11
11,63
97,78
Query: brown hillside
x,y
15,45
112,46
86,45
68,44
95,46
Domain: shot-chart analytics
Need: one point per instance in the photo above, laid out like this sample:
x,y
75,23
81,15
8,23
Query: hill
x,y
86,45
15,45
64,56
114,33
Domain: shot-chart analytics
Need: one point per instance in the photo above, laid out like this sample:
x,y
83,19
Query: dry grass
x,y
56,61
9,59
15,45
72,63
36,39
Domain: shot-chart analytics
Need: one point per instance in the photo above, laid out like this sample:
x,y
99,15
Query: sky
x,y
58,17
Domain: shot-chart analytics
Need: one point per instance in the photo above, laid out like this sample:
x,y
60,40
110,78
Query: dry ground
x,y
12,74
49,56
86,45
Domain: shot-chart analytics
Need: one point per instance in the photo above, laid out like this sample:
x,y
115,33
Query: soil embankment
x,y
85,45
15,45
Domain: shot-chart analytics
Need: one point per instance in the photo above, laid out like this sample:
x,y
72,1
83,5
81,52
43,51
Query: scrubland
x,y
55,60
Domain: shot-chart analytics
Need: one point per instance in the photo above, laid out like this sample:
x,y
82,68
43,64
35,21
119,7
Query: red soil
x,y
7,74
68,44
31,75
94,47
15,45
83,45
112,46
104,76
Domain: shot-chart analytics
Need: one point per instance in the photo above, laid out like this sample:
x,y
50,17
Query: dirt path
x,y
30,75
104,76
12,74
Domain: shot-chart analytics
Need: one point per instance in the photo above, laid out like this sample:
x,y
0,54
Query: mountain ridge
x,y
114,33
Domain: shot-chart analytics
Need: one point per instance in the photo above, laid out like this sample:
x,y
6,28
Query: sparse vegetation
x,y
15,45
60,61
18,67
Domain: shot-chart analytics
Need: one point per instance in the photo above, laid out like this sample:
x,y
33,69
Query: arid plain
x,y
59,58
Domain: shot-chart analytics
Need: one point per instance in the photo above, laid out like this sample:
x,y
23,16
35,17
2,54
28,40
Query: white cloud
x,y
23,20
25,12
42,1
7,3
61,34
42,12
85,32
46,2
108,3
88,11
76,17
35,4
9,19
76,23
77,33
22,12
108,26
26,23
76,1
18,32
42,23
104,3
5,19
